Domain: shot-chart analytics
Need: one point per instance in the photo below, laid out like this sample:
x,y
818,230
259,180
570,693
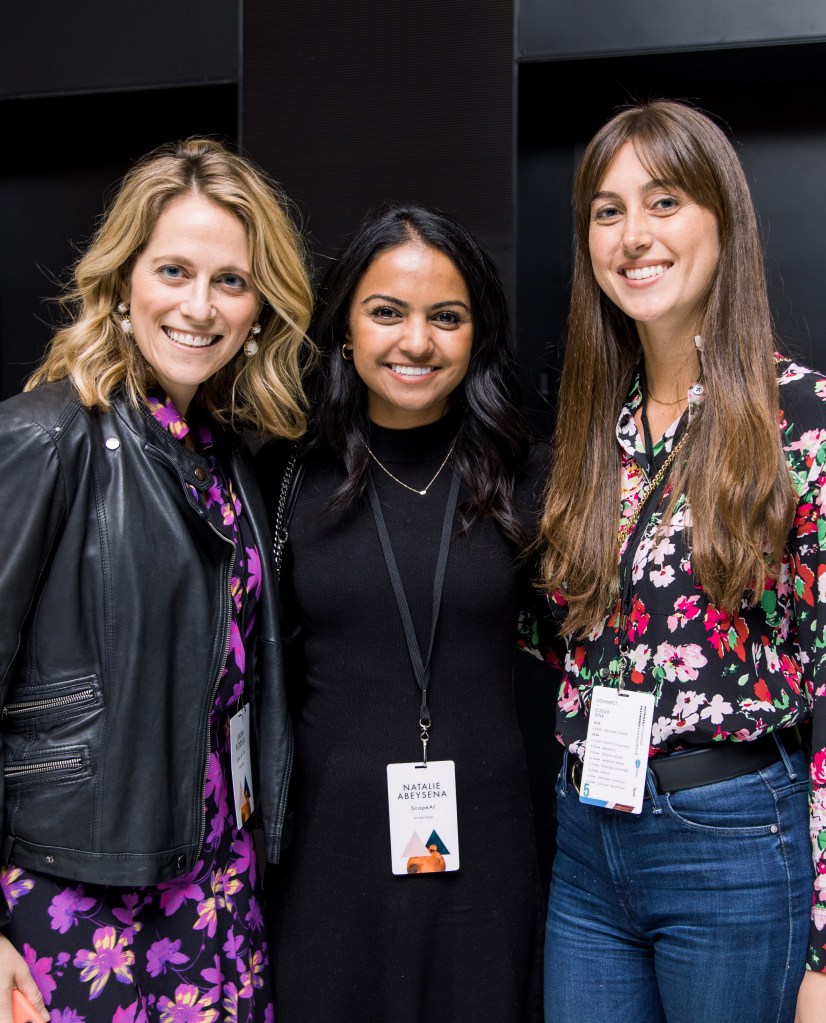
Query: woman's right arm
x,y
33,508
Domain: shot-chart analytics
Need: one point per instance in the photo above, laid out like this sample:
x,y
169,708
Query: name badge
x,y
616,754
424,829
239,738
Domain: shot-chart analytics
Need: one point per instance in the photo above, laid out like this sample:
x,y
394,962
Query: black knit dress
x,y
351,941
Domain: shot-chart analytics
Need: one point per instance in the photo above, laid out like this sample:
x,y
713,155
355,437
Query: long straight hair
x,y
732,469
492,445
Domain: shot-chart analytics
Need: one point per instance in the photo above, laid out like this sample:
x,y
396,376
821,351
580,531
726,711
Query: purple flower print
x,y
65,1016
164,952
168,416
109,956
176,892
243,851
214,975
14,886
254,571
131,1014
255,917
70,903
233,944
41,971
188,1007
252,978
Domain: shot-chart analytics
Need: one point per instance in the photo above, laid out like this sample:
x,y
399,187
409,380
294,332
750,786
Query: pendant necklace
x,y
413,490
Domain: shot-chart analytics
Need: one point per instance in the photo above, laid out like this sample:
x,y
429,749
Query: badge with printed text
x,y
616,752
424,830
239,737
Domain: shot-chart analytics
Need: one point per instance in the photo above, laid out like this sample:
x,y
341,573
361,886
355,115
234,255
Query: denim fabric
x,y
695,911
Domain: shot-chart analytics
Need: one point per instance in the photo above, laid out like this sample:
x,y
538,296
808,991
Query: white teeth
x,y
191,340
412,371
642,272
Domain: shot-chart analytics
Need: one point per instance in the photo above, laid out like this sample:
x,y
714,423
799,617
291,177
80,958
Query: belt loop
x,y
651,789
562,780
784,756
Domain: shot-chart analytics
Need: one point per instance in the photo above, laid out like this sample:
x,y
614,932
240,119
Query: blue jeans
x,y
695,911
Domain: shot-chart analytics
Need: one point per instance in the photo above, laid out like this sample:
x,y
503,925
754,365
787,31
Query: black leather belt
x,y
704,765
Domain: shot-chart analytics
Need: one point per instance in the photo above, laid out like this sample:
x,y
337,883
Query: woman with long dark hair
x,y
685,551
406,573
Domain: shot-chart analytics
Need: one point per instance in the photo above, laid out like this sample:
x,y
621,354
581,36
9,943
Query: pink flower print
x,y
638,620
14,886
685,610
569,699
164,952
70,903
680,662
253,979
726,633
214,976
253,571
716,709
663,576
176,892
818,768
40,970
109,956
189,1007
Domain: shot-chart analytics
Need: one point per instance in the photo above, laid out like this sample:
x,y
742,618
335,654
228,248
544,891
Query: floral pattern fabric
x,y
191,950
717,676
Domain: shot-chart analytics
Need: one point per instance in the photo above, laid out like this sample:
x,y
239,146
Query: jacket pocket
x,y
55,699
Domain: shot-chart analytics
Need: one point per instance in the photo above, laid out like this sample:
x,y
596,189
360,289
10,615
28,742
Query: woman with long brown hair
x,y
683,552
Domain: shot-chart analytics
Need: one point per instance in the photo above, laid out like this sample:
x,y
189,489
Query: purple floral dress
x,y
191,950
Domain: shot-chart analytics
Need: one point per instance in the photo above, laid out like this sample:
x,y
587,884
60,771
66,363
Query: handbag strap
x,y
290,483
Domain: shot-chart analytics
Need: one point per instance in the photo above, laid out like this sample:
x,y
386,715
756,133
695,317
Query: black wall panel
x,y
349,104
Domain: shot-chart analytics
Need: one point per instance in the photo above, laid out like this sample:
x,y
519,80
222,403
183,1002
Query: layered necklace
x,y
413,490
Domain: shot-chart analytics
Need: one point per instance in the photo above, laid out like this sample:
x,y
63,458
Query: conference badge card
x,y
424,830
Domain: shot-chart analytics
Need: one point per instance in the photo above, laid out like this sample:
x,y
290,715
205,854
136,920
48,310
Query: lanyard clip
x,y
424,724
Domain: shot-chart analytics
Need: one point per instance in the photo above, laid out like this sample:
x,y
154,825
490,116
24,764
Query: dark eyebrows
x,y
406,305
650,186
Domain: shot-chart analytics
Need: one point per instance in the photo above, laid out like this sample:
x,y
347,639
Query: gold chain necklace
x,y
628,528
412,490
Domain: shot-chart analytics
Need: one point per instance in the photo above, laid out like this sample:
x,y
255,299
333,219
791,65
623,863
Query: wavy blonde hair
x,y
732,470
263,393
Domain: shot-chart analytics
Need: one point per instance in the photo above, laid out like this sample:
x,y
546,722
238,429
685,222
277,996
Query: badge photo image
x,y
424,836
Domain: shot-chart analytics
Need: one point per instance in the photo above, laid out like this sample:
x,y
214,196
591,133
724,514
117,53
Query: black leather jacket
x,y
114,627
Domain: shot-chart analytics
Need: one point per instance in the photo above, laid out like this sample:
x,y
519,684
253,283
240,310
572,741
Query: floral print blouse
x,y
718,676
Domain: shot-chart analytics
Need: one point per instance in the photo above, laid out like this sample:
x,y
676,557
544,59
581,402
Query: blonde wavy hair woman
x,y
263,393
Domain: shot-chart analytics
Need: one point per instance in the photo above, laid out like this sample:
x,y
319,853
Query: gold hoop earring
x,y
251,345
344,350
125,321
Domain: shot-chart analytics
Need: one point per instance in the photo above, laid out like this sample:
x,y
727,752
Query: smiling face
x,y
653,249
190,296
411,332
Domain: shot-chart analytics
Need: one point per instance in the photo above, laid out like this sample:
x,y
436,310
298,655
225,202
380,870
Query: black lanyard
x,y
421,667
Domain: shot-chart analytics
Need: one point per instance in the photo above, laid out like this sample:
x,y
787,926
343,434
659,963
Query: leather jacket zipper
x,y
16,772
217,681
51,703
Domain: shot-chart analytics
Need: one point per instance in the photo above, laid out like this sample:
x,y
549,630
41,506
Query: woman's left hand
x,y
811,999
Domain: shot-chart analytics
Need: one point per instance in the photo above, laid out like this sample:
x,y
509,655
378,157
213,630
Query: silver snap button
x,y
112,443
774,829
50,859
200,473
